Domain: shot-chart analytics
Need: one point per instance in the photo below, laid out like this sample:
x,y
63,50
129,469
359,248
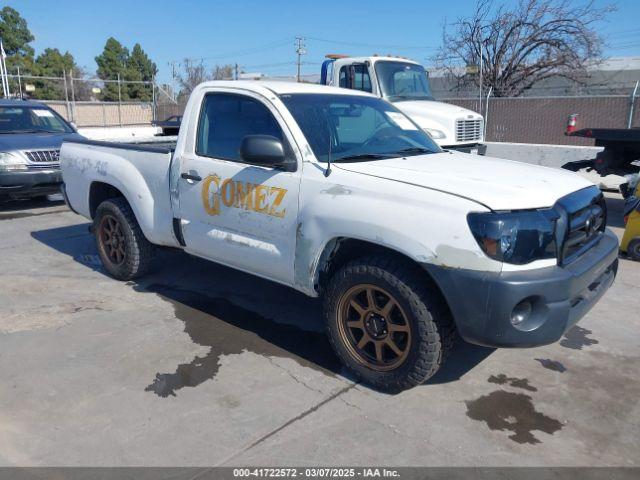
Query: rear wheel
x,y
125,252
386,323
633,249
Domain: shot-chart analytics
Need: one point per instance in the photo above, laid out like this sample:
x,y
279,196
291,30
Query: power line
x,y
268,65
241,52
371,45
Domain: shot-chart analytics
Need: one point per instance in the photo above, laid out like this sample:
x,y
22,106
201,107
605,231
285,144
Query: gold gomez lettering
x,y
259,198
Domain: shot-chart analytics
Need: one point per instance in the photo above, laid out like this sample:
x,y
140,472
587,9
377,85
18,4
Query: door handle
x,y
191,176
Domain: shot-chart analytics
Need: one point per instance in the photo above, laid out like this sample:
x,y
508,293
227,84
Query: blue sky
x,y
259,34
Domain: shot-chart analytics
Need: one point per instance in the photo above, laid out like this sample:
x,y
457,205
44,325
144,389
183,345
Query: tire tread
x,y
435,325
140,252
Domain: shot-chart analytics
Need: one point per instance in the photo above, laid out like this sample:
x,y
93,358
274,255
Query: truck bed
x,y
140,171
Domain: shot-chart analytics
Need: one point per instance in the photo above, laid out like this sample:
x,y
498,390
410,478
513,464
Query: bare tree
x,y
224,72
522,45
194,72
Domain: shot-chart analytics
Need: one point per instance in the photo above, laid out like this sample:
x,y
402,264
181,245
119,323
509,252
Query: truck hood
x,y
429,114
496,183
34,141
421,111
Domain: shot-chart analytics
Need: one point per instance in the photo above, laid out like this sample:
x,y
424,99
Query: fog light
x,y
521,312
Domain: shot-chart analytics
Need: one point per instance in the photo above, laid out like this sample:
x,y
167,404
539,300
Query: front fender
x,y
427,226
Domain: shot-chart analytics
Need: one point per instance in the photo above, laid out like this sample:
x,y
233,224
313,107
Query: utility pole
x,y
174,74
236,70
300,50
481,79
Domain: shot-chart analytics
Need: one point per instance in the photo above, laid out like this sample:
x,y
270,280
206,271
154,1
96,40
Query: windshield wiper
x,y
416,150
364,156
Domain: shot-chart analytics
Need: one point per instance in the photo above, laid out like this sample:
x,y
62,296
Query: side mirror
x,y
262,150
74,126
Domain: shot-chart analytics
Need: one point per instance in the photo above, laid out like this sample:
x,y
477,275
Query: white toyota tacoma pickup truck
x,y
338,193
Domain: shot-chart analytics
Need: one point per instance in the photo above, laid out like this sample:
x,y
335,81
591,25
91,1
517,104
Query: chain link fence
x,y
90,102
168,104
544,119
528,119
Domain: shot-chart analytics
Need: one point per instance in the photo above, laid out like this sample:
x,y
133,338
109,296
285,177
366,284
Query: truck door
x,y
232,212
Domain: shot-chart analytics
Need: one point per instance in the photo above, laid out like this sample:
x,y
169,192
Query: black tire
x,y
138,251
633,249
431,327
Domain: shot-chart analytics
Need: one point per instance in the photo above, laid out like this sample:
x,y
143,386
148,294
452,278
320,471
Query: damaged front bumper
x,y
483,303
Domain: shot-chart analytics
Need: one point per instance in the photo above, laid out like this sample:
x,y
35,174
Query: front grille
x,y
468,130
43,156
44,166
586,220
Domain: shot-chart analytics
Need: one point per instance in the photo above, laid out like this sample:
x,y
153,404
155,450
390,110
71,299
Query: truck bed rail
x,y
159,147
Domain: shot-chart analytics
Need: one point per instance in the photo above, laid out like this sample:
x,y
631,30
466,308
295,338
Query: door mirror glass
x,y
262,150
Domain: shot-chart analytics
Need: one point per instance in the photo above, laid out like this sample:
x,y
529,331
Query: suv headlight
x,y
435,134
10,162
516,237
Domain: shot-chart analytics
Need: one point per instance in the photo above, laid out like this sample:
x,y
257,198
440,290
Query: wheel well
x,y
338,252
99,192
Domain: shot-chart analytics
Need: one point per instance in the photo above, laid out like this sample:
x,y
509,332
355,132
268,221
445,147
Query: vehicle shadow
x,y
30,203
463,358
232,312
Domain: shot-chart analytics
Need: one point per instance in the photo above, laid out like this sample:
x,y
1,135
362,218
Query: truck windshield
x,y
356,128
403,81
21,119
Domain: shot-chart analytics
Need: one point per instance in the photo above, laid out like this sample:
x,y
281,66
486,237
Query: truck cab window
x,y
355,77
402,81
225,119
361,79
342,79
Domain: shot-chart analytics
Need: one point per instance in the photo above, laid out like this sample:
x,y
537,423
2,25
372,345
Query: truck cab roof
x,y
376,58
280,88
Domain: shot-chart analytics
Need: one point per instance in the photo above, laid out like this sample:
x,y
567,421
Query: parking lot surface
x,y
201,365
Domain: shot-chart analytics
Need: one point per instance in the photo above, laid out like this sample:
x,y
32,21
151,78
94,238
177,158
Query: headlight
x,y
435,134
516,237
9,162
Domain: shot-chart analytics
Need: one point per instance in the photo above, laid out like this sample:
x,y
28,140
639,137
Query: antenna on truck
x,y
327,172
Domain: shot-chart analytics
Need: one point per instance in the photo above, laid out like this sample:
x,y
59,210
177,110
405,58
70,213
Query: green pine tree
x,y
140,68
112,61
53,63
16,37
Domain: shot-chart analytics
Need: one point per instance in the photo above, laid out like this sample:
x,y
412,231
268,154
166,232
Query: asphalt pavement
x,y
200,365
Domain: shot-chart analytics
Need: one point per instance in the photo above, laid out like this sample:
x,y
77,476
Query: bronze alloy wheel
x,y
373,327
112,240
